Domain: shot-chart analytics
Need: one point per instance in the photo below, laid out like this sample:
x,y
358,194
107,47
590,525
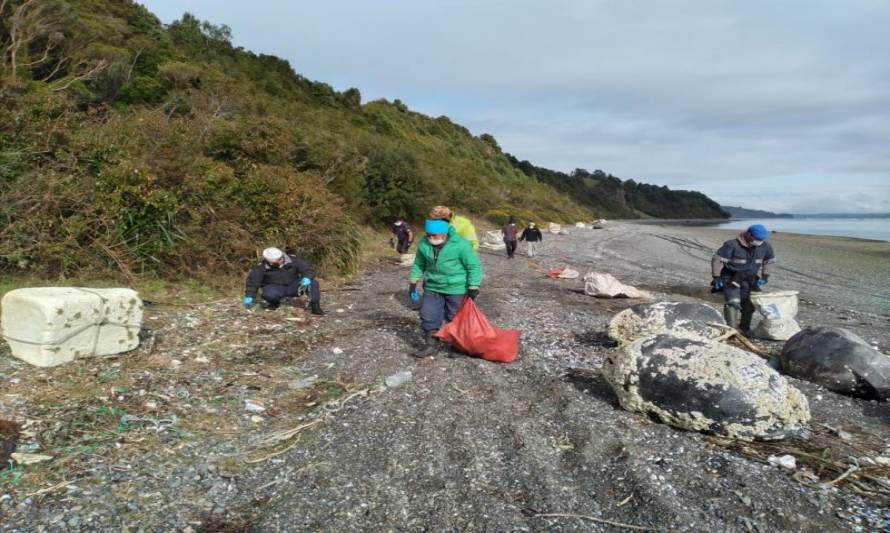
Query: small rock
x,y
785,461
399,378
202,359
257,419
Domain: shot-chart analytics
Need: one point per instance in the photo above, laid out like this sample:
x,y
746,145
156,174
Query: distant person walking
x,y
740,266
462,225
280,275
510,234
404,235
532,235
450,271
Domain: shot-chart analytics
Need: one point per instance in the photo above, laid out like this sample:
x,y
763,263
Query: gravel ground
x,y
188,433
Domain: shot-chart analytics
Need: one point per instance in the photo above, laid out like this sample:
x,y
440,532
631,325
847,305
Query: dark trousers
x,y
511,248
436,308
738,305
403,245
274,293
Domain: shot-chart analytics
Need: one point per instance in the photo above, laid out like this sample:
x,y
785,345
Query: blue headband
x,y
436,226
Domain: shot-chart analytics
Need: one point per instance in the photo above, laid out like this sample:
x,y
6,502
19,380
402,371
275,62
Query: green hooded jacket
x,y
455,270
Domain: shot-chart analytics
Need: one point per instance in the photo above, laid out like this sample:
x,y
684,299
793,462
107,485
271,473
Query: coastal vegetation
x,y
132,148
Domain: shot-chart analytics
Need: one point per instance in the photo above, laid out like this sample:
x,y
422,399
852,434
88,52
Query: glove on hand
x,y
717,284
248,301
412,292
472,293
305,282
763,281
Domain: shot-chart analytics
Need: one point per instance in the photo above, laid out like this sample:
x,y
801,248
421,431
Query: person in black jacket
x,y
281,275
532,236
404,235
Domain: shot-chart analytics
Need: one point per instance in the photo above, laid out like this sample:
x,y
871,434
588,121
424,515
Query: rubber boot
x,y
732,315
429,346
315,309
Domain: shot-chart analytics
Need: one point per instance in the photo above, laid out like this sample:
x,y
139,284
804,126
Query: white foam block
x,y
49,326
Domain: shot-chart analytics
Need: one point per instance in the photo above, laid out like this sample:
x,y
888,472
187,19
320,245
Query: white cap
x,y
272,254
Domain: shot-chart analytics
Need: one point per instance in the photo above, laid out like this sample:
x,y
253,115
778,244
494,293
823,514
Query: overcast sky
x,y
773,105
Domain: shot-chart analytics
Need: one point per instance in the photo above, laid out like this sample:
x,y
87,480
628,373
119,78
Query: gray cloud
x,y
719,96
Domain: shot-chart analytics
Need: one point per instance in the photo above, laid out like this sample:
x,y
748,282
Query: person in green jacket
x,y
450,271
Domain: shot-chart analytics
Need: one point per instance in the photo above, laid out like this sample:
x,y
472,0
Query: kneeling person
x,y
450,271
282,275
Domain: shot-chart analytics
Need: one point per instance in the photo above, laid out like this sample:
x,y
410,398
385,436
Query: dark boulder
x,y
839,360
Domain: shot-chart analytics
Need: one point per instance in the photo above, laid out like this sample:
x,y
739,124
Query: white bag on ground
x,y
606,286
493,240
778,310
554,228
49,326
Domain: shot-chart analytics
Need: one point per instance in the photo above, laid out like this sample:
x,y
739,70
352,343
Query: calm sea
x,y
862,228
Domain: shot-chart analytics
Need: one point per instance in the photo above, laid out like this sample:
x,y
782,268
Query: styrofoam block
x,y
49,326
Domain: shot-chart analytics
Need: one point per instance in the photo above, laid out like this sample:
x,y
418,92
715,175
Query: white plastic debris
x,y
49,326
554,228
399,378
29,458
493,240
253,407
568,273
778,310
337,351
785,461
606,286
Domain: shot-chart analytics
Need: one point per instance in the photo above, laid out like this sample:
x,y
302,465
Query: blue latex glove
x,y
248,301
762,281
718,284
415,296
305,282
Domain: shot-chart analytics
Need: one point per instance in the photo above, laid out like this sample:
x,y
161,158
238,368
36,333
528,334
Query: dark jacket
x,y
264,274
531,235
509,232
735,261
403,231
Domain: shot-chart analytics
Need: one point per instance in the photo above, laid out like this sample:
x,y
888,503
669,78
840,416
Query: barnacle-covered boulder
x,y
706,386
681,319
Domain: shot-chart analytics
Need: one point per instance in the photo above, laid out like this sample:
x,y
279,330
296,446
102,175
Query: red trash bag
x,y
555,272
472,333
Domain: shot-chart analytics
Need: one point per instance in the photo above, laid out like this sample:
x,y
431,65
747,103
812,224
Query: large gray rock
x,y
839,360
681,319
706,386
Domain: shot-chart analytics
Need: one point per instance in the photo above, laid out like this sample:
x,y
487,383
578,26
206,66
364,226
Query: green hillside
x,y
611,197
128,147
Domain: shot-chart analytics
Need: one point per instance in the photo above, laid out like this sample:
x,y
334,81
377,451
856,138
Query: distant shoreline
x,y
713,223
